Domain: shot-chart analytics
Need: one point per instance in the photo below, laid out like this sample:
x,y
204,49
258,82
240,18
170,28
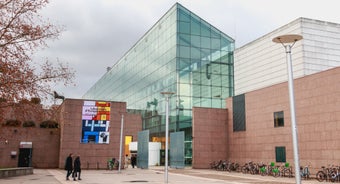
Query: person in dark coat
x,y
77,168
133,160
69,166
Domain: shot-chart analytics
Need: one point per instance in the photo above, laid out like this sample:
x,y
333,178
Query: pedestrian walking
x,y
69,166
77,168
127,161
133,160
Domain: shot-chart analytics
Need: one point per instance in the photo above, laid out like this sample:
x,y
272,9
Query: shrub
x,y
49,124
28,124
12,123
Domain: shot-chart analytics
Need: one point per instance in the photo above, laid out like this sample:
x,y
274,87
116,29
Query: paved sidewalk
x,y
154,175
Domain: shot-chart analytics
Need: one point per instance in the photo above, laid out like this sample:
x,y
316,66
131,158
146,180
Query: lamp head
x,y
167,93
287,38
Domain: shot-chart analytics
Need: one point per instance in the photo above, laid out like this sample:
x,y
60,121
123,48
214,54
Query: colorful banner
x,y
96,122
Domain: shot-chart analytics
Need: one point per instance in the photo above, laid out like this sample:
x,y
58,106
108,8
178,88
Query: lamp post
x,y
121,143
167,97
288,42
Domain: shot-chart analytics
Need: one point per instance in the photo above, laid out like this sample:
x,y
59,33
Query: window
x,y
278,119
239,113
280,154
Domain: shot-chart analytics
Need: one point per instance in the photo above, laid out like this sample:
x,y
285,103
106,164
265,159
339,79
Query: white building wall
x,y
262,62
321,45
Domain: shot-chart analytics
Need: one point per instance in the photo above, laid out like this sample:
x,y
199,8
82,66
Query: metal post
x,y
288,39
121,143
292,112
166,138
167,96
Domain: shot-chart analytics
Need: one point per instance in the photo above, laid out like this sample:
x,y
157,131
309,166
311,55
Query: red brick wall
x,y
45,143
209,130
92,155
317,100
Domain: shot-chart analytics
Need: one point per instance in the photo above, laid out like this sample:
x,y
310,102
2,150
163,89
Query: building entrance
x,y
25,157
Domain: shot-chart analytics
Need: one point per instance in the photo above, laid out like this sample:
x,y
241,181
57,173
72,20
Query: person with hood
x,y
69,166
77,168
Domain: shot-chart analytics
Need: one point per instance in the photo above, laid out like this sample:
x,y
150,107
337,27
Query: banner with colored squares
x,y
96,122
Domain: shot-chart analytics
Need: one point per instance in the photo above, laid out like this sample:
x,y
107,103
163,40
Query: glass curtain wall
x,y
204,70
181,53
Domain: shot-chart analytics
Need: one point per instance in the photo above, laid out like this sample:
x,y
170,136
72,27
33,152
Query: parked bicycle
x,y
324,174
304,172
231,166
250,167
269,170
335,174
219,165
285,170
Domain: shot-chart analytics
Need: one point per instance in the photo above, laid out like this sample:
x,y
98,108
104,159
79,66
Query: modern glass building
x,y
181,53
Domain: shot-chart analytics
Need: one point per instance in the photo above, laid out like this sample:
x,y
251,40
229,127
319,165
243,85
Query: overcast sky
x,y
99,32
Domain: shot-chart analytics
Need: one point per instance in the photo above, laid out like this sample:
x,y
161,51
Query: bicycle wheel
x,y
288,173
276,173
320,176
333,177
263,171
244,170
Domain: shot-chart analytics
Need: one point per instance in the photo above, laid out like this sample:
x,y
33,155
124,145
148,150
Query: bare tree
x,y
22,32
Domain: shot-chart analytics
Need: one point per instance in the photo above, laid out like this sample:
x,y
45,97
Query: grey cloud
x,y
99,32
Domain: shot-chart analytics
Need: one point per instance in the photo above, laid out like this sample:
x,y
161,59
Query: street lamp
x,y
121,143
288,42
167,96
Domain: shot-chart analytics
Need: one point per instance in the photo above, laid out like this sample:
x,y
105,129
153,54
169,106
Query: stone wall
x,y
12,172
45,146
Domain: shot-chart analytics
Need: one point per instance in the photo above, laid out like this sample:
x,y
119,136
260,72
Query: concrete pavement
x,y
153,175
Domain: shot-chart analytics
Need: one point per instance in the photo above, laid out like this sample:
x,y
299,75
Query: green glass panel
x,y
195,53
205,91
183,63
215,33
184,76
195,27
216,80
185,115
184,16
225,45
205,42
184,27
215,44
205,30
206,102
195,41
215,69
216,103
206,54
184,39
196,101
184,52
185,102
225,70
216,91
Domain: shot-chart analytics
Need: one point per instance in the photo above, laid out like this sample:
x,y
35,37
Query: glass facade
x,y
181,53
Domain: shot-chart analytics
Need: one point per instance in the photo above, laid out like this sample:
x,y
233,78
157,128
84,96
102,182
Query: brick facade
x,y
209,142
45,145
317,104
94,156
